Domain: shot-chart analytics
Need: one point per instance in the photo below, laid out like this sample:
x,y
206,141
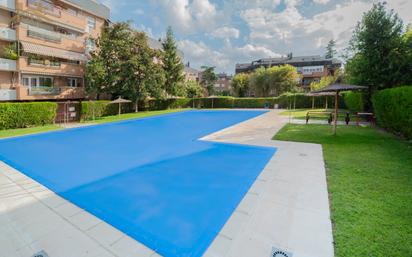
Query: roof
x,y
339,88
289,60
191,70
92,6
52,52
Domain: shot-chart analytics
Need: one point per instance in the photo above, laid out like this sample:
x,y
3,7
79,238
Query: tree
x,y
172,65
375,48
330,49
123,65
274,81
193,89
209,79
240,84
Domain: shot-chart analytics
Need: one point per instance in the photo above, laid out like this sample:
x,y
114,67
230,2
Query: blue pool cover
x,y
151,178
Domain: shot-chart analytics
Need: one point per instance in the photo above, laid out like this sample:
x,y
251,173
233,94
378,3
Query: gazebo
x,y
120,101
326,94
213,99
336,89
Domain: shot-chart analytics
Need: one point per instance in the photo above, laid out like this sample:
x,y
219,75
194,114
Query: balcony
x,y
8,65
7,94
62,68
44,91
51,13
49,93
7,34
50,38
8,4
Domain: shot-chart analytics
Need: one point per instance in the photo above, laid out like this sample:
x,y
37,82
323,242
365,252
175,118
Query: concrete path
x,y
287,208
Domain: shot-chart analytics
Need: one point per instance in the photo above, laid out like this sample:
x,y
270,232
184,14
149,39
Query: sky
x,y
222,33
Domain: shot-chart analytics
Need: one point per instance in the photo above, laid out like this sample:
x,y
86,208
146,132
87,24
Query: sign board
x,y
72,109
276,252
72,115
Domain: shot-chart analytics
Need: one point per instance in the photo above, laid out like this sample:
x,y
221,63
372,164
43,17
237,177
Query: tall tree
x,y
376,60
209,79
123,65
331,49
240,84
172,64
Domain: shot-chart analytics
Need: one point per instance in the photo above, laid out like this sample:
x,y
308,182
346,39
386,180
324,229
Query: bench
x,y
330,115
371,116
319,114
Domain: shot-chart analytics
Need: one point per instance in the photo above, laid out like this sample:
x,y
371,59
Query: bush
x,y
254,102
23,115
354,101
96,109
393,110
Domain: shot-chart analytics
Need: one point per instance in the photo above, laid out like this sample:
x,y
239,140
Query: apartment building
x,y
191,74
44,46
223,83
311,68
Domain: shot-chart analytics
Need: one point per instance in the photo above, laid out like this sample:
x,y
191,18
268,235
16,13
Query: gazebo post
x,y
120,108
313,102
335,122
326,104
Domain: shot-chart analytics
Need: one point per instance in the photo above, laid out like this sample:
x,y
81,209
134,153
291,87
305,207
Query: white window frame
x,y
37,79
75,80
90,23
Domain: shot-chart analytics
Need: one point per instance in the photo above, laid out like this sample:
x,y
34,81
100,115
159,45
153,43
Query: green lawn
x,y
300,114
34,130
370,184
27,131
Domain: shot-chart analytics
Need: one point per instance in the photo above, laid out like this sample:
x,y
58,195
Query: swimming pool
x,y
151,178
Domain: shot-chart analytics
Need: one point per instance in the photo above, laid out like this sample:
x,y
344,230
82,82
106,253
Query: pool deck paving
x,y
287,207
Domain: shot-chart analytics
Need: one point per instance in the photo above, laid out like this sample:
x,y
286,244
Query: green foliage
x,y
254,102
23,115
274,81
96,109
240,84
124,65
194,89
209,79
370,187
10,51
393,110
331,49
378,52
354,101
172,65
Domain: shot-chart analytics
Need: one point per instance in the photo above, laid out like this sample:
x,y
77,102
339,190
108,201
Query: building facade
x,y
44,47
311,68
223,83
191,74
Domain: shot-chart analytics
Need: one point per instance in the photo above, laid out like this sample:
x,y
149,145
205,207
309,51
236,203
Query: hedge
x,y
393,110
23,115
354,101
96,109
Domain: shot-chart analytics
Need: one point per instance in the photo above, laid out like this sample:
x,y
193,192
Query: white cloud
x,y
190,16
226,32
321,1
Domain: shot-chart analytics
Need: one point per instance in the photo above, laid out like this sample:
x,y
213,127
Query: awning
x,y
52,52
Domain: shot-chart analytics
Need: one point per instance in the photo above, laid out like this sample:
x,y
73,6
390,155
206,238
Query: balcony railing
x,y
44,34
8,34
8,4
44,91
7,65
45,6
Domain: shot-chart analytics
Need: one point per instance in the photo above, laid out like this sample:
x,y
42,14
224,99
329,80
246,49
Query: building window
x,y
91,24
71,11
90,45
73,82
37,81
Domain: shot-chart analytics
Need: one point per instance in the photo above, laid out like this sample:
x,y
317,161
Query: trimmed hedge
x,y
23,115
354,101
393,110
96,109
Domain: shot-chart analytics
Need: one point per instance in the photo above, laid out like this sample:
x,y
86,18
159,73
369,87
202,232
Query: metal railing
x,y
8,34
44,34
44,91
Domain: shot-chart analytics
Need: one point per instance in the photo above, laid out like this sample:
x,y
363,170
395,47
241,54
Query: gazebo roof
x,y
120,101
320,94
338,88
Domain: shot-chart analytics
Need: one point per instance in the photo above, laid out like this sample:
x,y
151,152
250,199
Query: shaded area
x,y
151,178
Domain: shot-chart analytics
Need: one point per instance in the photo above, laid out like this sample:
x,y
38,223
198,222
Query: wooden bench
x,y
319,114
371,116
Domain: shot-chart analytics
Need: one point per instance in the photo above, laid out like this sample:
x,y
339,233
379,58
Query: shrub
x,y
354,101
22,115
254,102
393,110
96,109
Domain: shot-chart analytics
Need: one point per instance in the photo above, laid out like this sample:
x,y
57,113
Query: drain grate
x,y
40,254
276,252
